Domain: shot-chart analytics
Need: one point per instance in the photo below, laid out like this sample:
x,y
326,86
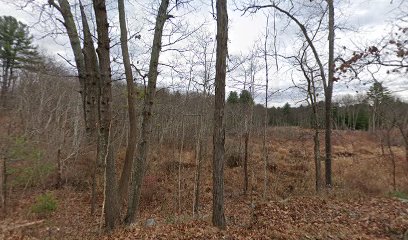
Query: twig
x,y
23,225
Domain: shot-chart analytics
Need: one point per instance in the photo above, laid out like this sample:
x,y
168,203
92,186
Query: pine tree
x,y
377,96
245,97
232,97
16,51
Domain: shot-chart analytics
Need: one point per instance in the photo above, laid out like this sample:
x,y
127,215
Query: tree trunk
x,y
318,173
265,123
392,158
202,142
132,134
139,165
405,138
246,178
92,87
199,157
111,201
4,185
4,85
91,79
218,218
59,169
65,9
248,126
328,97
406,151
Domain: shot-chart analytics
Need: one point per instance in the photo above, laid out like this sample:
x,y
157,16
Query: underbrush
x,y
399,194
26,165
359,171
44,204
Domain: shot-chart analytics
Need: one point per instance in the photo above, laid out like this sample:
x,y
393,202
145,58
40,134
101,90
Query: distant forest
x,y
370,111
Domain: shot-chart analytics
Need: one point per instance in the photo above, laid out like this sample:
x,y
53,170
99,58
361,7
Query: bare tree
x,y
111,198
328,92
203,56
132,134
327,79
218,217
265,123
139,165
3,182
92,97
64,8
249,112
310,73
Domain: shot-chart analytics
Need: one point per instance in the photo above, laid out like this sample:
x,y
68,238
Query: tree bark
x,y
4,185
199,158
4,85
92,98
64,8
328,98
311,92
248,126
246,177
218,218
132,134
318,178
392,158
91,79
202,140
265,123
405,138
139,165
111,201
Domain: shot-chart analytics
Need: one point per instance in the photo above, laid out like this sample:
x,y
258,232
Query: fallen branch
x,y
23,225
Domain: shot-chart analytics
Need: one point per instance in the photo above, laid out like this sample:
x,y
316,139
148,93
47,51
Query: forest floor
x,y
361,205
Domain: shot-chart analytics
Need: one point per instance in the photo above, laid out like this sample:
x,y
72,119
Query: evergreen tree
x,y
16,51
377,96
245,97
233,98
286,113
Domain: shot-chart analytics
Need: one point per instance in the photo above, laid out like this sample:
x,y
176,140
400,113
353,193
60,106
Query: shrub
x,y
399,194
27,164
45,204
233,160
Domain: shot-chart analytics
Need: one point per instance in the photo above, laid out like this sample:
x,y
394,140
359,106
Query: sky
x,y
369,19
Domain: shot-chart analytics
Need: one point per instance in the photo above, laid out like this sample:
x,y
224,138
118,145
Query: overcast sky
x,y
370,20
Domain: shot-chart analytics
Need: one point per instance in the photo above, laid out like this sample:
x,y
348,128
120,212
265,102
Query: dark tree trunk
x,y
4,85
91,79
4,185
405,138
92,97
392,158
218,217
64,8
132,134
199,156
406,151
139,165
328,97
318,174
246,178
111,200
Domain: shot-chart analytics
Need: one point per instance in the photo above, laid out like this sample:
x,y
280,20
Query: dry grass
x,y
359,170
